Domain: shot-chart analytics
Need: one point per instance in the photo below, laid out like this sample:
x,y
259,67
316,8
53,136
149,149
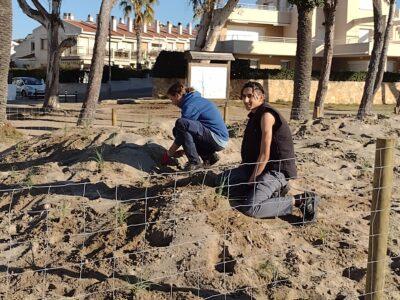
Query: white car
x,y
29,86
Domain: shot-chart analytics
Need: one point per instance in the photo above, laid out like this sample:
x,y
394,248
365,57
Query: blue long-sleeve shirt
x,y
196,108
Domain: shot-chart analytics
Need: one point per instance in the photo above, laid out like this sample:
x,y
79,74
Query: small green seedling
x,y
99,159
121,215
268,271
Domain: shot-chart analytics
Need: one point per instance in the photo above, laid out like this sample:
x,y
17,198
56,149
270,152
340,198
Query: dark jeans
x,y
196,140
259,200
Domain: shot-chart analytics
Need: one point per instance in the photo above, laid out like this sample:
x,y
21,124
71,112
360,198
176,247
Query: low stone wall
x,y
116,86
339,92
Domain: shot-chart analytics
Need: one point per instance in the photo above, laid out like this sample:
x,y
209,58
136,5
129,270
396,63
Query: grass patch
x,y
9,132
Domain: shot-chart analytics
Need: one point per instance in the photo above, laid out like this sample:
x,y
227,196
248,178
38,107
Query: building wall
x,y
340,92
81,54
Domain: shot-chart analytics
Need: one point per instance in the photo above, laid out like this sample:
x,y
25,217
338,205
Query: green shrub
x,y
240,69
77,75
170,64
118,74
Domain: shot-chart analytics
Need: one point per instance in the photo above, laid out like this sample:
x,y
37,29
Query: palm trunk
x,y
329,12
397,107
138,31
5,45
386,40
302,79
53,66
367,98
88,111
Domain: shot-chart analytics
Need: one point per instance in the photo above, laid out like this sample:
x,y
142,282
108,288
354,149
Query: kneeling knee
x,y
180,123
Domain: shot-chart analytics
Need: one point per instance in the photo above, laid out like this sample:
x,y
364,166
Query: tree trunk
x,y
89,105
302,77
330,14
367,98
203,31
52,22
219,18
53,66
5,45
138,31
386,40
397,108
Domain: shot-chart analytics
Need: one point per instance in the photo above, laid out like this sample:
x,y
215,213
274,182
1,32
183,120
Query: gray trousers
x,y
261,199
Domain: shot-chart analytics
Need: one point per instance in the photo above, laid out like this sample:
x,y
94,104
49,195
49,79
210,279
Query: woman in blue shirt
x,y
200,130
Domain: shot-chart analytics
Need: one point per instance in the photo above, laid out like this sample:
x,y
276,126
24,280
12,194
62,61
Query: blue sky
x,y
167,10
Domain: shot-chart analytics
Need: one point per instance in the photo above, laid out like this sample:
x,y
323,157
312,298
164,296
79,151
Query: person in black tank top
x,y
260,183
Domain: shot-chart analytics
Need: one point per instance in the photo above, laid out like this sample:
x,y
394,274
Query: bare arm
x,y
172,150
267,122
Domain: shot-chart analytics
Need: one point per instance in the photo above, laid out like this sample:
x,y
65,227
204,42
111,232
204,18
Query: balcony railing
x,y
272,6
77,50
251,38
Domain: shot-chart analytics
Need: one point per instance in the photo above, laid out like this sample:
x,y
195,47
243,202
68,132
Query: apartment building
x,y
32,52
265,33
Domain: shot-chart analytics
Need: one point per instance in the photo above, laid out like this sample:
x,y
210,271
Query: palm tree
x,y
87,113
365,107
330,15
143,12
5,45
302,77
386,40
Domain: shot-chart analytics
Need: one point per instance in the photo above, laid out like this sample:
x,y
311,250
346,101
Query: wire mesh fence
x,y
176,235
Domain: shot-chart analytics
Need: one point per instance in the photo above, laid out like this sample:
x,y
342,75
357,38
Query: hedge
x,y
174,65
77,75
170,64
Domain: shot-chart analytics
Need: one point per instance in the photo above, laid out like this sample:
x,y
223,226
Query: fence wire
x,y
145,220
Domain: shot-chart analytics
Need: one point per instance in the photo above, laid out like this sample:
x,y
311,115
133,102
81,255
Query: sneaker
x,y
309,205
211,160
190,167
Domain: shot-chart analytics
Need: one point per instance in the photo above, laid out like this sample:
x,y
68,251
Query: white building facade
x,y
32,52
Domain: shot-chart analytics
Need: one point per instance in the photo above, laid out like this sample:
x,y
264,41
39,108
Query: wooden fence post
x,y
114,117
226,112
379,221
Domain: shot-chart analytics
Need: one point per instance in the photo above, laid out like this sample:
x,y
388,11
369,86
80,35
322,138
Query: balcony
x,y
261,14
77,52
263,45
121,55
352,46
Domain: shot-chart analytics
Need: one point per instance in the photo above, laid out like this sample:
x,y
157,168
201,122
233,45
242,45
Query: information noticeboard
x,y
210,80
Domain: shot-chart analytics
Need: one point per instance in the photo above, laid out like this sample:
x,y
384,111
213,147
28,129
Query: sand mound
x,y
113,224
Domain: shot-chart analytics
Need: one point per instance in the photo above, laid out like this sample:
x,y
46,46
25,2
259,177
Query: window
x,y
363,35
32,46
366,4
285,64
43,44
254,63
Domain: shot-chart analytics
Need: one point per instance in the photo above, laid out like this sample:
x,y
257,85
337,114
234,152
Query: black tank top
x,y
282,158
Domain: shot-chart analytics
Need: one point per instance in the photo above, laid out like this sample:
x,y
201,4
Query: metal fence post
x,y
379,222
65,96
76,96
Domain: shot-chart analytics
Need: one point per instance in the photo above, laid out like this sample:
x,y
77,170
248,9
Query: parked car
x,y
29,86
